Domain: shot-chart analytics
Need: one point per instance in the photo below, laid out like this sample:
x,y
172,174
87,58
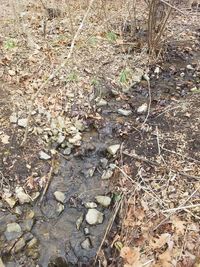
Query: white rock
x,y
11,72
157,70
86,244
142,109
22,122
189,67
103,200
13,118
13,231
124,112
60,139
44,155
94,216
107,174
75,139
102,102
60,196
113,149
10,201
90,205
22,196
1,263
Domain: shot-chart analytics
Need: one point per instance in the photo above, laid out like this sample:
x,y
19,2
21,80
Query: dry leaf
x,y
178,225
131,256
161,241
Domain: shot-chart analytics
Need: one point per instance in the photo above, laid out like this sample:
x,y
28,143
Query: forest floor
x,y
110,172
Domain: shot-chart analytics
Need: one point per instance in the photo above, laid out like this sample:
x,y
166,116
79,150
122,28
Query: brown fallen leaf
x,y
161,241
178,225
131,256
164,260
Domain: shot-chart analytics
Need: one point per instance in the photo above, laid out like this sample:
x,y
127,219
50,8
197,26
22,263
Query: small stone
x,y
60,196
13,231
1,263
22,122
11,72
60,208
10,201
103,200
157,70
94,216
79,125
102,102
67,151
18,210
76,139
19,245
142,109
86,244
124,112
189,67
60,139
90,205
22,196
107,174
114,92
27,225
79,222
13,118
44,155
113,149
30,214
32,243
104,163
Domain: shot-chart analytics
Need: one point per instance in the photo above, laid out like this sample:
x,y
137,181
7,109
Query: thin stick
x,y
49,179
53,74
158,141
149,105
182,208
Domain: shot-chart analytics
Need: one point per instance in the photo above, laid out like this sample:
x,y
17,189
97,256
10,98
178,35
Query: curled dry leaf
x,y
131,256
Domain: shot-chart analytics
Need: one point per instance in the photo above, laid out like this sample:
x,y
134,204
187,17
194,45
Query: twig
x,y
182,208
111,221
53,74
183,246
149,105
173,7
158,142
49,179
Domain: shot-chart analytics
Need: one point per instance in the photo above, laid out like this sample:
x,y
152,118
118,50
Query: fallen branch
x,y
53,74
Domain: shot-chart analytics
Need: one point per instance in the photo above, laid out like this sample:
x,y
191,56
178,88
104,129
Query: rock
x,y
67,151
113,149
1,263
157,70
22,122
27,225
107,174
86,244
13,231
27,237
10,201
79,222
61,139
90,205
103,200
189,67
30,214
60,196
104,163
86,231
22,196
13,118
19,245
32,243
18,210
102,102
142,109
79,125
112,166
114,92
94,216
60,208
44,155
124,112
11,72
76,139
136,78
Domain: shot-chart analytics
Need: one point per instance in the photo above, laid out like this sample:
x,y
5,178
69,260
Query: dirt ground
x,y
99,99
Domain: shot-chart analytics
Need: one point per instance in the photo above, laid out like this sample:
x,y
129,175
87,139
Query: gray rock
x,y
90,205
67,151
22,122
60,196
86,231
94,216
103,200
113,149
13,118
79,222
22,196
60,207
10,201
142,109
104,162
44,155
102,102
86,244
13,231
27,225
124,112
107,174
